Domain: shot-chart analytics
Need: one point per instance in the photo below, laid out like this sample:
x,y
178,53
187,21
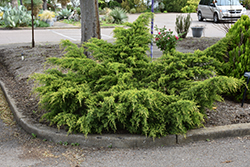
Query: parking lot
x,y
55,35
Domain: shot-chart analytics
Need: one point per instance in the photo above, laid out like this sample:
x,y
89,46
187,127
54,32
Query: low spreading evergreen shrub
x,y
121,88
233,51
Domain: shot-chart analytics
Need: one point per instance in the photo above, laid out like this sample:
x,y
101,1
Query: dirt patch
x,y
15,71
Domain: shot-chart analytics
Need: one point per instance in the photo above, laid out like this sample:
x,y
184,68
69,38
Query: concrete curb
x,y
107,140
122,140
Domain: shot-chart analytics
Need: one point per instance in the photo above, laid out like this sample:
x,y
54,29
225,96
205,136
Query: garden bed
x,y
14,72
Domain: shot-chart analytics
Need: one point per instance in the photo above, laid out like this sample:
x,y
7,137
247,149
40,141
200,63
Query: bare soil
x,y
15,72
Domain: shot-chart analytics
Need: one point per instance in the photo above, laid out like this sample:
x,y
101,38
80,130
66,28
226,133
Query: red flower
x,y
156,39
176,37
159,33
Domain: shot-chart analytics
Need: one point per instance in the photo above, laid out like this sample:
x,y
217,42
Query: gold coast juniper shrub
x,y
233,52
121,88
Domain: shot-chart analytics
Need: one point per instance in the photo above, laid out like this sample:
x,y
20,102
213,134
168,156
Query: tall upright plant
x,y
182,25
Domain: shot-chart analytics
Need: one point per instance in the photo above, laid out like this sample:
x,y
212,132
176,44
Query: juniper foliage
x,y
121,88
233,52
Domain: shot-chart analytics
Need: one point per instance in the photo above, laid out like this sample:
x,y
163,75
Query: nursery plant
x,y
121,88
182,25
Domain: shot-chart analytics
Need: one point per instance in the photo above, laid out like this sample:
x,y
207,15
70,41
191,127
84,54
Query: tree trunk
x,y
88,20
98,28
44,4
14,3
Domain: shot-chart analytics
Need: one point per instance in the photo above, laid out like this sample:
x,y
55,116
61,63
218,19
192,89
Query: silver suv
x,y
220,10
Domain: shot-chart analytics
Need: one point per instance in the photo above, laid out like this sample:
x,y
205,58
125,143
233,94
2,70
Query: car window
x,y
201,2
227,2
207,2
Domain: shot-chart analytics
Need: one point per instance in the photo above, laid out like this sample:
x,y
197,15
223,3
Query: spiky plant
x,y
119,15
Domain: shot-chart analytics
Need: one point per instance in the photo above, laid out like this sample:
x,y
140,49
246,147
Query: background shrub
x,y
191,6
246,3
37,5
139,5
113,4
174,6
132,11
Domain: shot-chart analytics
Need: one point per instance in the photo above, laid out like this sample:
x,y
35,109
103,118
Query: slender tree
x,y
98,28
44,4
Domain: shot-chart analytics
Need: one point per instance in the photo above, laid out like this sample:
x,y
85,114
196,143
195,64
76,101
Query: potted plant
x,y
197,31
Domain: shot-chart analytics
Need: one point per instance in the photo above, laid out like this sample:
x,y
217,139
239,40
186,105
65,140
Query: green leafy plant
x,y
33,135
165,40
102,4
75,144
174,6
161,6
191,6
126,5
64,13
132,11
119,16
65,143
13,17
39,23
121,88
139,5
114,4
237,61
182,25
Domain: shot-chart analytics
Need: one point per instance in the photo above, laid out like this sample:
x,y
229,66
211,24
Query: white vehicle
x,y
220,10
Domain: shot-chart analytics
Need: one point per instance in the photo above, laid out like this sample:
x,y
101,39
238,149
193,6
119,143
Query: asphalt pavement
x,y
63,31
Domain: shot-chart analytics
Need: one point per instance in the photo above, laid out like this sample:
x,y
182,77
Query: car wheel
x,y
216,19
200,16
